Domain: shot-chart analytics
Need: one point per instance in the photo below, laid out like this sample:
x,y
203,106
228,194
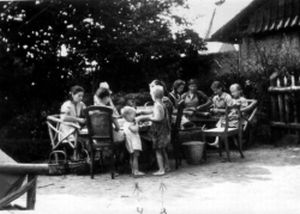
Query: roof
x,y
260,16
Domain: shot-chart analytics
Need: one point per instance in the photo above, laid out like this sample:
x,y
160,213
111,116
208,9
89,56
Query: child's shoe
x,y
138,174
159,173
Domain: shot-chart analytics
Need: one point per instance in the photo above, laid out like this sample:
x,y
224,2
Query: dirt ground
x,y
266,181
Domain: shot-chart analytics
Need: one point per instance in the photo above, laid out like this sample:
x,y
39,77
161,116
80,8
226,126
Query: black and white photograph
x,y
150,106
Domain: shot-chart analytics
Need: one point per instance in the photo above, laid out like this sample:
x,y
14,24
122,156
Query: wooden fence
x,y
285,103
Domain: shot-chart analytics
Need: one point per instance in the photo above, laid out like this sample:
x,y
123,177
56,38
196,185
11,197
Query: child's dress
x,y
161,130
233,114
133,140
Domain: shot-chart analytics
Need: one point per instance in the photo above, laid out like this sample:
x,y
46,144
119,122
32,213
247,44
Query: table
x,y
144,128
202,117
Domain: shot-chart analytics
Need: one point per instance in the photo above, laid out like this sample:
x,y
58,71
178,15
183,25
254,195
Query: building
x,y
268,34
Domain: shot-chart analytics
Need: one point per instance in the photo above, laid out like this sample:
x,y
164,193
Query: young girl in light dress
x,y
160,129
133,140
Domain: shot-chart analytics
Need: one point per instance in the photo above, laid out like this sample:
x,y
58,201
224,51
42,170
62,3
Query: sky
x,y
200,13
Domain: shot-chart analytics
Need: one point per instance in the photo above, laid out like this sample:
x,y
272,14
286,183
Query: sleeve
x,y
65,108
244,102
229,101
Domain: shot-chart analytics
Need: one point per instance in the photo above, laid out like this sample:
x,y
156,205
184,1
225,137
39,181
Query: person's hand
x,y
199,108
215,110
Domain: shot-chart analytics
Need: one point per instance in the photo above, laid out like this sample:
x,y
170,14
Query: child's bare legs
x,y
216,142
160,162
135,163
131,163
166,160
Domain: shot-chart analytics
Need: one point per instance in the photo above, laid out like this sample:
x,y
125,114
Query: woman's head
x,y
217,87
76,93
193,85
157,92
128,113
104,95
178,86
236,90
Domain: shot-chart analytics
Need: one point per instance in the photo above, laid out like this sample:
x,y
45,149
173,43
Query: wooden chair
x,y
175,135
225,132
100,134
53,123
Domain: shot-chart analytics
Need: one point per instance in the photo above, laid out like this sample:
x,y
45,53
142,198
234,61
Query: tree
x,y
46,46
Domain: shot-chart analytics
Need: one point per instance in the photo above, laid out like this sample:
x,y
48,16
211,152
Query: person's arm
x,y
96,100
207,104
156,116
145,112
66,117
250,106
116,124
113,107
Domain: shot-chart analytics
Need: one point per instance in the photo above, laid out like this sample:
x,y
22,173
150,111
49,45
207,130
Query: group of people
x,y
160,116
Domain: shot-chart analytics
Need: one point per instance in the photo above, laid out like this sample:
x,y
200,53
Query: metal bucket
x,y
193,151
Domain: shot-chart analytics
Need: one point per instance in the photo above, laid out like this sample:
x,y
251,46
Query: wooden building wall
x,y
279,50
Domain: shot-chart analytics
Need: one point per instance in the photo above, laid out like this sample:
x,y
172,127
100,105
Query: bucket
x,y
193,151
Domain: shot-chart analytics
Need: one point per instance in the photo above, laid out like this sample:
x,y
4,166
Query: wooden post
x,y
31,194
286,102
23,168
280,102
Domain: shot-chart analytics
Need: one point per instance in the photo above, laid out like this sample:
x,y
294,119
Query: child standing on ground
x,y
160,129
133,140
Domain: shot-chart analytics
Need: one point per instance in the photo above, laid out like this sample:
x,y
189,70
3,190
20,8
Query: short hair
x,y
217,85
193,82
177,84
157,92
237,86
102,93
160,83
76,89
127,110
